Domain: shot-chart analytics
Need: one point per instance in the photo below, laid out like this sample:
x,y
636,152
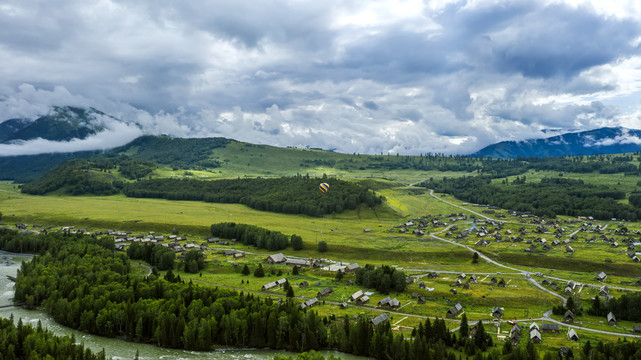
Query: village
x,y
490,233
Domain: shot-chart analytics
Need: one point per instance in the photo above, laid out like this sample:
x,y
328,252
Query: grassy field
x,y
348,241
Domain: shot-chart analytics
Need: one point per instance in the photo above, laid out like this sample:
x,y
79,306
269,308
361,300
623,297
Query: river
x,y
115,348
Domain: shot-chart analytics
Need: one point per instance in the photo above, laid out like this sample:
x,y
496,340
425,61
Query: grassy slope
x,y
248,160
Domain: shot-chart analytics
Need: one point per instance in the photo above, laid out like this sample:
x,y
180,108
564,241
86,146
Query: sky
x,y
408,77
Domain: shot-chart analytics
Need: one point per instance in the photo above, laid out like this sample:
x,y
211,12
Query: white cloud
x,y
116,135
28,102
624,138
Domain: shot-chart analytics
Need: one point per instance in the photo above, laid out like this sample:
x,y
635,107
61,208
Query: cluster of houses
x,y
535,332
571,286
547,245
417,226
312,263
282,259
314,301
486,234
388,302
273,284
359,297
474,280
568,317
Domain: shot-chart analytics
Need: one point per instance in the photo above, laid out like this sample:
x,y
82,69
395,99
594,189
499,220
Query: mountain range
x,y
69,123
607,140
61,124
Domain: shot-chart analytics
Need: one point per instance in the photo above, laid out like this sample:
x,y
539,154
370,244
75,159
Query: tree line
x,y
289,195
547,198
254,235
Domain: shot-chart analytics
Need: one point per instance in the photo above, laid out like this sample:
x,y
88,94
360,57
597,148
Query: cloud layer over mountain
x,y
379,76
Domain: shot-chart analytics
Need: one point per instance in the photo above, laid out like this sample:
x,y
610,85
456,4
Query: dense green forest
x,y
289,195
548,198
23,341
252,235
494,168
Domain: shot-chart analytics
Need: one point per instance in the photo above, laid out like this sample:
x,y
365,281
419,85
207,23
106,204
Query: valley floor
x,y
523,267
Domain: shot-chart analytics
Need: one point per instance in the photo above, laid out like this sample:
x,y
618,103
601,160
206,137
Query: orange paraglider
x,y
324,187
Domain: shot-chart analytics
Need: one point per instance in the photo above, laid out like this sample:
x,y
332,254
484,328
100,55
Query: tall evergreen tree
x,y
463,329
259,272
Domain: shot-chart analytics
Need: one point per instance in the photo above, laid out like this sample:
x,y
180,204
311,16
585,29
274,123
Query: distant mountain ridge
x,y
607,140
61,124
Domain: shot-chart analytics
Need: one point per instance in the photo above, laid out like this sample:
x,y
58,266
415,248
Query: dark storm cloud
x,y
398,76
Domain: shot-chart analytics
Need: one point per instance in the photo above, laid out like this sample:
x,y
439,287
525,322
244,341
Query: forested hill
x,y
599,141
226,158
63,123
209,154
176,152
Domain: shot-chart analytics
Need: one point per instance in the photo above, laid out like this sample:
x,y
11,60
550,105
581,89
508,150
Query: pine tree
x,y
463,329
245,270
596,306
169,276
586,349
531,351
507,347
259,272
480,337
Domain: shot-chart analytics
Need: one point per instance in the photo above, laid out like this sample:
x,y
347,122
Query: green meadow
x,y
369,236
